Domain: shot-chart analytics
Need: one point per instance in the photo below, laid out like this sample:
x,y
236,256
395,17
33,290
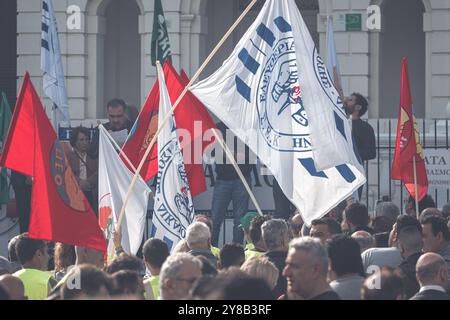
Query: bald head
x,y
364,239
13,286
431,269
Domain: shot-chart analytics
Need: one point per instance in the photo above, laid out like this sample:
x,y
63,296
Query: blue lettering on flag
x,y
243,88
282,24
45,6
346,173
339,124
153,231
249,62
168,242
44,27
44,44
308,164
265,34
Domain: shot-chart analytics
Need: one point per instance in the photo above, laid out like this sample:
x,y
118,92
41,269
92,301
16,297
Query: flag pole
x,y
175,105
416,196
238,170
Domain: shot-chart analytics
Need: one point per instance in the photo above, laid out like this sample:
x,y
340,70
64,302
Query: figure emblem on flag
x,y
64,179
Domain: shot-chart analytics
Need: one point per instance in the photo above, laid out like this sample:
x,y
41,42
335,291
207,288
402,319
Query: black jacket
x,y
431,295
408,268
364,137
278,258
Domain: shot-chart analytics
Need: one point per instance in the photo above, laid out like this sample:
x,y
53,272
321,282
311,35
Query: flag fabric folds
x,y
160,50
275,94
191,117
332,60
407,146
51,65
173,207
5,119
59,209
114,178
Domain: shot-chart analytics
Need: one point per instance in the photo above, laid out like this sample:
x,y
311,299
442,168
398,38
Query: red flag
x,y
408,145
59,210
190,116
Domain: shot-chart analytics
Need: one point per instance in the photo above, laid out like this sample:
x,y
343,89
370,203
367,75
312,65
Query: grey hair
x,y
387,209
274,232
365,242
171,268
314,248
197,234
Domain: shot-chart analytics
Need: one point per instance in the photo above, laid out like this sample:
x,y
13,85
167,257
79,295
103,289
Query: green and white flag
x,y
5,119
160,36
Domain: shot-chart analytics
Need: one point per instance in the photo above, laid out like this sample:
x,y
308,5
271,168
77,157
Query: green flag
x,y
160,36
5,119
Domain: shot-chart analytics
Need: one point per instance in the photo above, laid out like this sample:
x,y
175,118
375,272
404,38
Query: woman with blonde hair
x,y
261,267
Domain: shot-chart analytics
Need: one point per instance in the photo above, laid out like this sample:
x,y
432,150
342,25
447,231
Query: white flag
x,y
51,65
264,91
173,209
114,178
332,60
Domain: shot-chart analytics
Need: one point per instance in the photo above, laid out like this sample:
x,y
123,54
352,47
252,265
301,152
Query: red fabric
x,y
59,210
408,145
188,116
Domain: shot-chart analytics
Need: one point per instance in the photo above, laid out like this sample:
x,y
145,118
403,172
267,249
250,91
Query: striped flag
x,y
51,66
173,208
332,60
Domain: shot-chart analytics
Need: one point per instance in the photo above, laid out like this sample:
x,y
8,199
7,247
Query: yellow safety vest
x,y
215,251
35,283
253,253
153,281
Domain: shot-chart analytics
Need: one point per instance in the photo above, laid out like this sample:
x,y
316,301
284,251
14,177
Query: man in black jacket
x,y
432,274
362,132
410,244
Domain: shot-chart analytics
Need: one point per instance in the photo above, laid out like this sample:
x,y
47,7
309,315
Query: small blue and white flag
x,y
332,60
173,207
275,93
51,65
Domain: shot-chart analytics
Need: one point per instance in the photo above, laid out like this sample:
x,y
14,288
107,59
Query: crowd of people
x,y
348,255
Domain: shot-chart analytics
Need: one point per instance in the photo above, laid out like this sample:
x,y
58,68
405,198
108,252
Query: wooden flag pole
x,y
416,196
238,170
175,105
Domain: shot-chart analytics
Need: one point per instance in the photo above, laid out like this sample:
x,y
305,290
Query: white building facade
x,y
109,55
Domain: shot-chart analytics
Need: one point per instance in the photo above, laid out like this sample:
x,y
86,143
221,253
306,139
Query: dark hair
x,y
430,212
426,202
26,248
446,210
114,103
74,135
391,286
405,220
255,227
64,256
438,224
382,224
333,226
203,287
357,214
92,280
345,255
360,100
125,262
155,252
207,267
4,295
231,254
126,281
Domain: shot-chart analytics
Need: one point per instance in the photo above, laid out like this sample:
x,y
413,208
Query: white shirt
x,y
83,169
432,287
